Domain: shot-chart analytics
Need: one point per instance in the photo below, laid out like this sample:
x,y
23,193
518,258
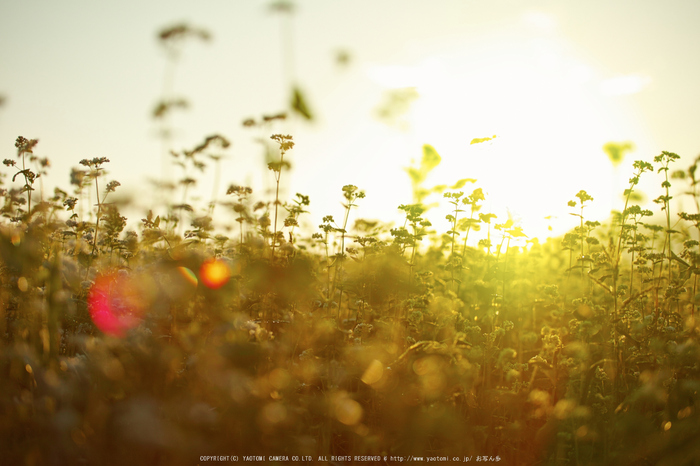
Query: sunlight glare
x,y
542,102
540,20
625,85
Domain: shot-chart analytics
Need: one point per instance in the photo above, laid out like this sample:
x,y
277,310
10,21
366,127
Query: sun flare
x,y
551,111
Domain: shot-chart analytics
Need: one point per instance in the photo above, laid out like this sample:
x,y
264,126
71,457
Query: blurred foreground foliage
x,y
158,346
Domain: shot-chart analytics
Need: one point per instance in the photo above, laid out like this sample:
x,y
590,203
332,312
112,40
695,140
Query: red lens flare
x,y
214,273
116,303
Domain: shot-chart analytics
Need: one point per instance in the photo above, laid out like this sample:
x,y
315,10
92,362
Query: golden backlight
x,y
551,111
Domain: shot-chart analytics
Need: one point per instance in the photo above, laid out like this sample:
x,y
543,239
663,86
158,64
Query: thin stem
x,y
341,255
582,255
240,224
505,268
413,255
618,252
695,287
452,252
328,268
632,263
26,184
287,36
166,129
278,175
466,236
215,187
668,225
99,208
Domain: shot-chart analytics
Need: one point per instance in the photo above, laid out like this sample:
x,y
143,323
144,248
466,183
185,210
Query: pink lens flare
x,y
116,303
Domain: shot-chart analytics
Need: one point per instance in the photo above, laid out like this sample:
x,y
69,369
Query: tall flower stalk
x,y
286,144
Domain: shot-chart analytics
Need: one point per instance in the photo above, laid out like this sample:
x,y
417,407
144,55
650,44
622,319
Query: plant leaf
x,y
430,160
480,140
299,104
462,182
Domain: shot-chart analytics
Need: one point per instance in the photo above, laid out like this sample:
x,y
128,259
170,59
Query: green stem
x,y
340,255
466,236
581,232
278,175
99,209
413,255
452,252
667,204
632,263
215,187
26,184
505,269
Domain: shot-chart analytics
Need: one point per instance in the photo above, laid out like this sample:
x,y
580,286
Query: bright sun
x,y
551,113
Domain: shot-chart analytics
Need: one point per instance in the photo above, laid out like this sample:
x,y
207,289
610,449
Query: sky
x,y
553,80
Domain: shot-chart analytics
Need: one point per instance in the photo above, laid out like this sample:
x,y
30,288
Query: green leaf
x,y
504,226
299,104
421,193
462,182
431,159
480,140
516,232
486,218
678,259
415,175
616,151
278,166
